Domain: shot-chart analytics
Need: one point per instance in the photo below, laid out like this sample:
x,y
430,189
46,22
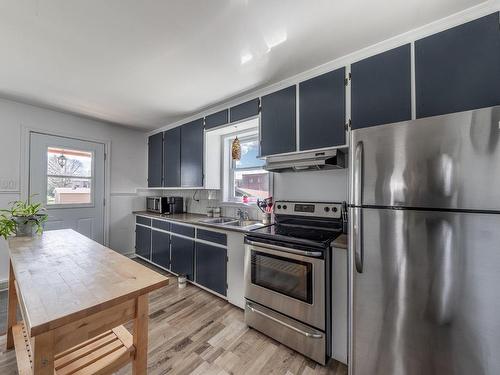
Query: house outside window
x,y
245,177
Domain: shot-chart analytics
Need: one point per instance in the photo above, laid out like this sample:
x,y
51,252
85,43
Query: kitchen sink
x,y
219,220
232,222
245,224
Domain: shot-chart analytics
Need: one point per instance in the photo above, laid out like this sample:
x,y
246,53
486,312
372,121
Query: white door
x,y
67,176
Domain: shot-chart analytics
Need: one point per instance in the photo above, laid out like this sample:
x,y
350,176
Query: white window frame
x,y
229,165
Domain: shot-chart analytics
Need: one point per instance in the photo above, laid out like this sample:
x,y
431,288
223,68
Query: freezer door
x,y
449,161
426,298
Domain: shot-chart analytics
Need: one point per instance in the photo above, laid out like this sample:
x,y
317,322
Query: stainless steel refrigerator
x,y
425,246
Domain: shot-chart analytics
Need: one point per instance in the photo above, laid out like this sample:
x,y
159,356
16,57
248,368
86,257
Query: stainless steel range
x,y
287,276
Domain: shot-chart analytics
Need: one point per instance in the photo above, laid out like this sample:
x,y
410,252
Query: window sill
x,y
238,204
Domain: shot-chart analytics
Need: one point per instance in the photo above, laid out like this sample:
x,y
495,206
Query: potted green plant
x,y
22,218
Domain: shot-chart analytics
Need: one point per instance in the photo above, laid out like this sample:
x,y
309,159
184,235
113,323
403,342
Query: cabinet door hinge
x,y
347,79
347,126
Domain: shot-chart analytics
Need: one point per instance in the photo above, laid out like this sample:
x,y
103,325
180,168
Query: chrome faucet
x,y
242,215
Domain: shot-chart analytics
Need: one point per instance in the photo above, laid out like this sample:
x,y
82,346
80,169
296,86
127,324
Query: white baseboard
x,y
4,285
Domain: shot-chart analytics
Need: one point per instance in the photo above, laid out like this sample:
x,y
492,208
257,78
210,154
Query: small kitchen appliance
x,y
165,205
175,205
157,205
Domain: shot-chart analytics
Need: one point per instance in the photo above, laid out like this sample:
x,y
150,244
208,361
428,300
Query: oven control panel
x,y
324,209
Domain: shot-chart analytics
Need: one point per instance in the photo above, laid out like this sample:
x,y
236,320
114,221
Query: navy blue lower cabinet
x,y
211,267
182,256
160,251
143,241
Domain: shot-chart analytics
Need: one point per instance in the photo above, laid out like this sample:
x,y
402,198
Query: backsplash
x,y
307,186
201,201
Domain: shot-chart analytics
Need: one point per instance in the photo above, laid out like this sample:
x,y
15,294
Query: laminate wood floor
x,y
194,332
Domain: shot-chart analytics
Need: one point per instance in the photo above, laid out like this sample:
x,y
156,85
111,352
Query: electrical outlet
x,y
8,184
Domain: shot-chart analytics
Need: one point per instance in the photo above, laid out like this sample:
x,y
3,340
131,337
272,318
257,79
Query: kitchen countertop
x,y
340,242
193,219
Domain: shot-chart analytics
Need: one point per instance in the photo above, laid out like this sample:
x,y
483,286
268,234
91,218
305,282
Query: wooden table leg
x,y
43,356
140,363
11,308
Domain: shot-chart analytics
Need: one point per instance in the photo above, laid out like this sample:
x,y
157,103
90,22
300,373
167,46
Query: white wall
x,y
326,186
127,161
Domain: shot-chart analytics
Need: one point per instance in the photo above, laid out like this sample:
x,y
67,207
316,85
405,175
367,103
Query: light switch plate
x,y
8,184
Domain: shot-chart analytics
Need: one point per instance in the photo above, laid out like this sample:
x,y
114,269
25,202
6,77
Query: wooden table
x,y
74,295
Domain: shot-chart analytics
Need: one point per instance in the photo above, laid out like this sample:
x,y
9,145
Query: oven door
x,y
287,281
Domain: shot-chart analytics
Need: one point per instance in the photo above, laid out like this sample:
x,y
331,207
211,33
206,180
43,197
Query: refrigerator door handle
x,y
357,212
358,175
358,239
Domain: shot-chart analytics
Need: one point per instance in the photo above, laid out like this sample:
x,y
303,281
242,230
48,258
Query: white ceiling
x,y
146,63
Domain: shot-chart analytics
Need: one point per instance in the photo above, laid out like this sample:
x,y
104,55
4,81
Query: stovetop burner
x,y
303,223
304,235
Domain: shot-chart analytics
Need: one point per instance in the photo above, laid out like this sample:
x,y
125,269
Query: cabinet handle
x,y
307,334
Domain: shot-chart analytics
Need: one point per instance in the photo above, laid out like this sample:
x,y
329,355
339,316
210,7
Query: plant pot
x,y
25,227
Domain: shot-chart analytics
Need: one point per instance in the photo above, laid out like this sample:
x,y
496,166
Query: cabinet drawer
x,y
143,220
182,229
208,235
160,224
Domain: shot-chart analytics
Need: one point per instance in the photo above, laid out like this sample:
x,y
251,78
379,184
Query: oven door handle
x,y
307,334
315,254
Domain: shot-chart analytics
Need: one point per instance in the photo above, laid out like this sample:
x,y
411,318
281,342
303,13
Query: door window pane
x,y
69,176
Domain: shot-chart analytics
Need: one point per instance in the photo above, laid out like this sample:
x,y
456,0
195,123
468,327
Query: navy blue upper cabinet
x,y
322,111
155,160
217,119
278,122
459,69
381,88
244,110
192,154
172,158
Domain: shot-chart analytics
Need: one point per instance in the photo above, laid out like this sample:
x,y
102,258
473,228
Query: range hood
x,y
317,160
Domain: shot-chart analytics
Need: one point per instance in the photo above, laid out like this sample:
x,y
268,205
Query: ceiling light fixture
x,y
61,160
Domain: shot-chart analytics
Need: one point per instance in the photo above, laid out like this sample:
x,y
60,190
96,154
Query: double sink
x,y
232,222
